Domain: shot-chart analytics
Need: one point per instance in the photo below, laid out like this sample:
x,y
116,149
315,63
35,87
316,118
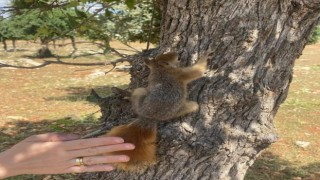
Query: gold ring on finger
x,y
79,161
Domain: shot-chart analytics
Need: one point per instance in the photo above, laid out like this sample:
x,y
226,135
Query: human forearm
x,y
55,154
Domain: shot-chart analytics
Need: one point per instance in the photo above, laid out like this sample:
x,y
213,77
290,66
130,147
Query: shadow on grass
x,y
84,94
57,61
15,131
15,50
71,55
270,167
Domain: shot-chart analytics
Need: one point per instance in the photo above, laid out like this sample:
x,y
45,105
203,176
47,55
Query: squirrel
x,y
163,99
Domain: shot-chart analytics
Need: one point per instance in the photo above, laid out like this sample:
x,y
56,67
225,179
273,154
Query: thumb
x,y
53,137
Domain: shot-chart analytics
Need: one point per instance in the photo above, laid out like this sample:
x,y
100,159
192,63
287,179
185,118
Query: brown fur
x,y
144,140
165,98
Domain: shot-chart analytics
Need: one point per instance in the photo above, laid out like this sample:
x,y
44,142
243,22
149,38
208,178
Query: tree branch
x,y
151,23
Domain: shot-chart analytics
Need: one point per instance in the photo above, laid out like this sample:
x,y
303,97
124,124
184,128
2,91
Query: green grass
x,y
270,167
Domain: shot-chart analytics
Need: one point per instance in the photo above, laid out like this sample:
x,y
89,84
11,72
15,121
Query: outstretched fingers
x,y
93,142
91,151
94,160
95,163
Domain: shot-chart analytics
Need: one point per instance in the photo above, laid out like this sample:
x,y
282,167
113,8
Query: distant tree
x,y
112,19
3,41
14,29
127,25
2,37
56,24
140,22
45,25
315,36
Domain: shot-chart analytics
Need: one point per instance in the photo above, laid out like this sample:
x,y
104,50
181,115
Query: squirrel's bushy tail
x,y
143,134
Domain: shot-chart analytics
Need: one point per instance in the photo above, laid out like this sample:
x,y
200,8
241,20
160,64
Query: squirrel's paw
x,y
139,92
201,65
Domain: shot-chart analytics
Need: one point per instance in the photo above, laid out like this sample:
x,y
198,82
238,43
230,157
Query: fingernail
x,y
119,140
124,158
130,146
110,168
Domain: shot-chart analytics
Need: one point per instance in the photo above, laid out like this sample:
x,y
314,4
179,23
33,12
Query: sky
x,y
4,3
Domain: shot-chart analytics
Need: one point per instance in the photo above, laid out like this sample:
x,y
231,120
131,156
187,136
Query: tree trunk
x,y
252,46
44,51
73,42
54,44
5,46
14,45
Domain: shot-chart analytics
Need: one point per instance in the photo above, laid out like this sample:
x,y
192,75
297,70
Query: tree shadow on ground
x,y
85,94
48,62
16,50
270,167
65,56
16,130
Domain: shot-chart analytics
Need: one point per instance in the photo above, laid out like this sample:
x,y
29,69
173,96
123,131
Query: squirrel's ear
x,y
170,56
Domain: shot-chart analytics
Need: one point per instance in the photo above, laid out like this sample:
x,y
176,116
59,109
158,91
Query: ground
x,y
56,98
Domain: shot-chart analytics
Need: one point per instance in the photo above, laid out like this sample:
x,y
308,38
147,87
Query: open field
x,y
57,98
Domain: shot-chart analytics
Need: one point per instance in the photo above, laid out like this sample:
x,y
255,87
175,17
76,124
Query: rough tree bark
x,y
252,47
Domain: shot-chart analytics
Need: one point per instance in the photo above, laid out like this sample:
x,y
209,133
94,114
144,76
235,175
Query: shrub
x,y
315,36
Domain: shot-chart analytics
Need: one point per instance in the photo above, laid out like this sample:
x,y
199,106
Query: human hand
x,y
54,153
